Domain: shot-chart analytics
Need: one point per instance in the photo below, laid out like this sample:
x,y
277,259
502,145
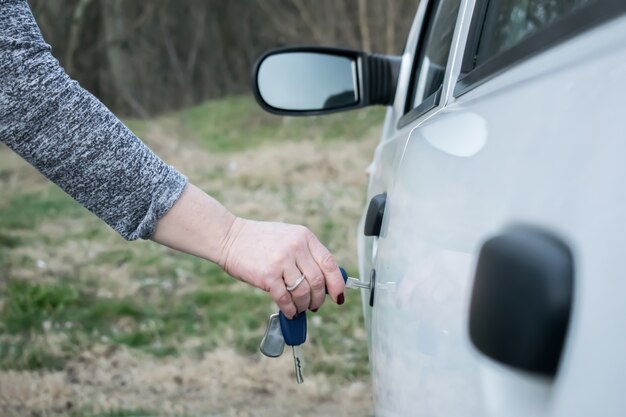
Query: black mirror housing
x,y
316,80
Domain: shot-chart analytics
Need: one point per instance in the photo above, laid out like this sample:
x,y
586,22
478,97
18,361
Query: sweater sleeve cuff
x,y
165,195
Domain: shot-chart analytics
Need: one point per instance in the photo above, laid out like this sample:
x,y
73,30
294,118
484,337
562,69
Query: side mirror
x,y
302,81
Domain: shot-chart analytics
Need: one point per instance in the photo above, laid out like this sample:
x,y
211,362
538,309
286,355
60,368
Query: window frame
x,y
569,26
411,113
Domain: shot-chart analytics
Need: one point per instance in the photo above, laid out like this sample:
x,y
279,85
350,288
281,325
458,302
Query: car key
x,y
273,344
294,334
354,283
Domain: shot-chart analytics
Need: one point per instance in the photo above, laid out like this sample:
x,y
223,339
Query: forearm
x,y
197,224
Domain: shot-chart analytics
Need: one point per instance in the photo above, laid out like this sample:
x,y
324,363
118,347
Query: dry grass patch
x,y
221,383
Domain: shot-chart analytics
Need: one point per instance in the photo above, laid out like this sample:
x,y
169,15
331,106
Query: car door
x,y
418,98
524,146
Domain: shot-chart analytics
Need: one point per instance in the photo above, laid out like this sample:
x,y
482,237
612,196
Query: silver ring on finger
x,y
296,284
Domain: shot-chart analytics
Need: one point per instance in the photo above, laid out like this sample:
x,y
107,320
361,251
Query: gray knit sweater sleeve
x,y
72,138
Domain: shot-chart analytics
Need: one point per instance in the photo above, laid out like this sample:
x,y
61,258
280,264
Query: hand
x,y
271,256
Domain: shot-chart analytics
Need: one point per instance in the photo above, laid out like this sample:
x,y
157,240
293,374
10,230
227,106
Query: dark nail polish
x,y
340,299
315,311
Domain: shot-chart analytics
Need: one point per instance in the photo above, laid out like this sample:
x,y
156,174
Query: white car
x,y
495,240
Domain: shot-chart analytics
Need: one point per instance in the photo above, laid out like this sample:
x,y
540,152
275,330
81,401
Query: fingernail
x,y
340,299
315,311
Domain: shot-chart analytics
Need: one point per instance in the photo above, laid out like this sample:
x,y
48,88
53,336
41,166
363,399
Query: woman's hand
x,y
273,256
270,256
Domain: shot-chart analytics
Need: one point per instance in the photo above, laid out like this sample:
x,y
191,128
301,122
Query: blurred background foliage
x,y
91,325
146,57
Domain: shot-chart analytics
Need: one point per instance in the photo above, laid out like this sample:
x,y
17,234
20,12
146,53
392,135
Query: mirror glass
x,y
308,81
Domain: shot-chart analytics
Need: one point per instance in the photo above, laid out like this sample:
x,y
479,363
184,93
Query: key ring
x,y
295,284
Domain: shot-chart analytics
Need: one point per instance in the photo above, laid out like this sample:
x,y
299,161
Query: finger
x,y
282,298
334,281
315,280
301,295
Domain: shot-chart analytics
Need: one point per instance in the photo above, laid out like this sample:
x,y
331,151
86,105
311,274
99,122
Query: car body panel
x,y
387,157
530,146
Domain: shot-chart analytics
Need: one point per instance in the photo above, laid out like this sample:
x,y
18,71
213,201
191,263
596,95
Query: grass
x,y
112,413
26,354
68,283
237,123
155,324
27,210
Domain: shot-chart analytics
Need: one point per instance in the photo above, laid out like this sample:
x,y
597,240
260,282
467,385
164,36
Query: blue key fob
x,y
344,274
294,330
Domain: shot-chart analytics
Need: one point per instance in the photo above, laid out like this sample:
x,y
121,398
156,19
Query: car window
x,y
433,52
508,22
505,32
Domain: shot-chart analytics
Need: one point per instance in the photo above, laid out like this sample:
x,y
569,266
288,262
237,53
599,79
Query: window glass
x,y
433,58
508,22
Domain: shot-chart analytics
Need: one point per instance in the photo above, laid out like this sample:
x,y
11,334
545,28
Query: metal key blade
x,y
297,360
356,284
273,342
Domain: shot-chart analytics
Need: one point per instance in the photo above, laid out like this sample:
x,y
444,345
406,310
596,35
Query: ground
x,y
91,325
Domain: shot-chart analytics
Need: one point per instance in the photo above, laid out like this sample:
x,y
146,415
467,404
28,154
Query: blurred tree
x,y
142,58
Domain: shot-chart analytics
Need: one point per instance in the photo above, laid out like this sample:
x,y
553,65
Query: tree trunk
x,y
120,67
74,36
366,42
